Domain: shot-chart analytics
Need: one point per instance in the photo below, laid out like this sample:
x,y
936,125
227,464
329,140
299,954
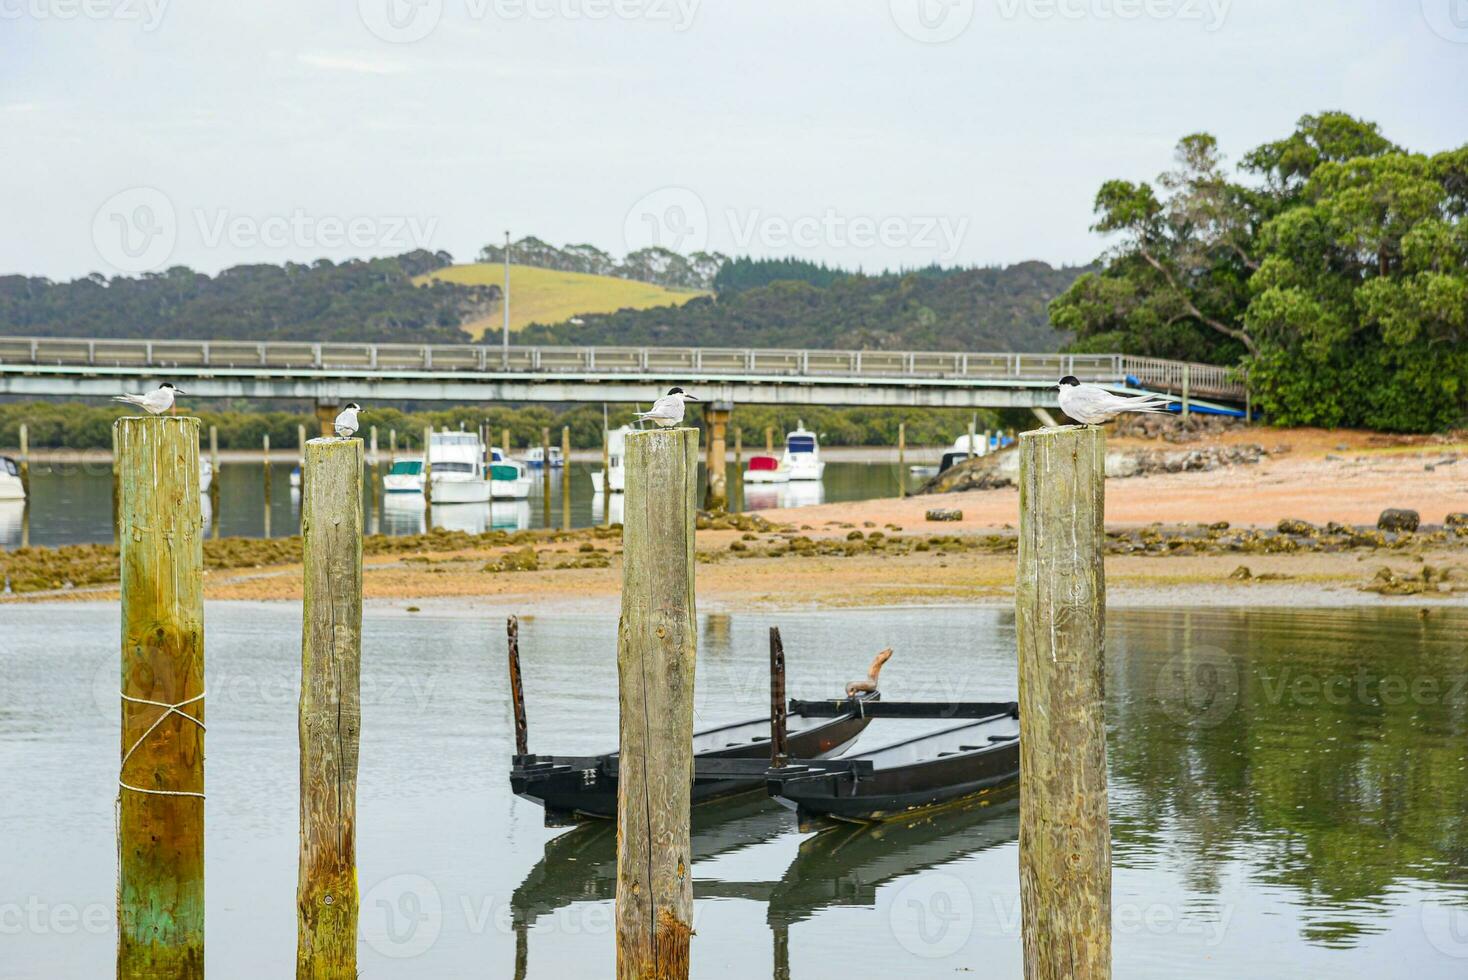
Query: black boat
x,y
956,763
576,788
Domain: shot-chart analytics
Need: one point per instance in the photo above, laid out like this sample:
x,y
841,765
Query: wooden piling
x,y
738,470
778,720
769,440
265,466
606,474
545,476
301,452
25,460
160,812
566,477
517,690
213,481
656,656
505,441
116,535
1187,390
1060,595
427,479
392,444
902,459
716,481
330,714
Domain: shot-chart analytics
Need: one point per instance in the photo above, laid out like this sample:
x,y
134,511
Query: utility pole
x,y
505,344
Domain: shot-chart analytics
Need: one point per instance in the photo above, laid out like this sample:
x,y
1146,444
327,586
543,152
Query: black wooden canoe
x,y
956,763
576,788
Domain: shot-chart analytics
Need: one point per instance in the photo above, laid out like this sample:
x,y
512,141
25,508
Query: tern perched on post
x,y
346,422
667,411
155,402
1091,405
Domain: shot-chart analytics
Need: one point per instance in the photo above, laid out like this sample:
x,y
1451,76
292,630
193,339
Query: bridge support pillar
x,y
327,412
716,420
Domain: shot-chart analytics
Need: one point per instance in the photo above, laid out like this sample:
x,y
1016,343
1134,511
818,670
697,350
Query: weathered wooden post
x,y
902,459
160,811
301,453
738,468
265,463
769,439
984,448
973,438
1060,596
656,654
545,476
214,475
392,445
116,535
566,477
505,441
517,690
716,421
427,479
25,460
778,720
330,715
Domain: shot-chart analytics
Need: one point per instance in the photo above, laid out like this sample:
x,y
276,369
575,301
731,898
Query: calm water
x,y
1289,799
72,503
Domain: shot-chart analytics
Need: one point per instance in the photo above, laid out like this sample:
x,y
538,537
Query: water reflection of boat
x,y
12,517
510,515
581,866
402,513
10,486
768,496
600,504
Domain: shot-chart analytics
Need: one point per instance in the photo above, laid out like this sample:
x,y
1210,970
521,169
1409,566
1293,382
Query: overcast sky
x,y
136,134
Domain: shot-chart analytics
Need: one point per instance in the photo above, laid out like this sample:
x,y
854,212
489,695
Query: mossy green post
x,y
1060,599
657,642
160,814
330,717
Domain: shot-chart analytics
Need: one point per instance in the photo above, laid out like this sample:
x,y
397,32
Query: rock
x,y
1293,525
1394,519
1242,572
1218,526
1119,466
857,535
1457,519
944,514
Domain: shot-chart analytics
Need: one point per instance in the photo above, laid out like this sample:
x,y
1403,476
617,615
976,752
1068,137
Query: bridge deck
x,y
289,369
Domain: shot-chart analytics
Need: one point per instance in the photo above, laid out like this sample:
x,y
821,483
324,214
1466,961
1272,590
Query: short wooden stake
x,y
1060,597
517,690
330,717
160,822
778,726
656,655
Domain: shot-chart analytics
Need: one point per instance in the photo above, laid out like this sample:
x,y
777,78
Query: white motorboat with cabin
x,y
616,451
10,486
405,475
802,458
535,457
510,478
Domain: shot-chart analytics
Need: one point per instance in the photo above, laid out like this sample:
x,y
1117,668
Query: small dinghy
x,y
959,762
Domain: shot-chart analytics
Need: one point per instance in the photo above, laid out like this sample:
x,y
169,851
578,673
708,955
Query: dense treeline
x,y
745,273
373,300
969,309
659,266
1337,274
71,425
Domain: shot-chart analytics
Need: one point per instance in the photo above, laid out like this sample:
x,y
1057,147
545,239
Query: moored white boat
x,y
404,476
802,458
616,448
510,477
10,485
535,457
765,469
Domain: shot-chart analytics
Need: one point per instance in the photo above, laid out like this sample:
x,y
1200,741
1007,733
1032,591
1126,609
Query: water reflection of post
x,y
266,444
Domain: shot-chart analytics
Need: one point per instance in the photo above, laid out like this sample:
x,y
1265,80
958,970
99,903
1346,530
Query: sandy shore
x,y
1311,475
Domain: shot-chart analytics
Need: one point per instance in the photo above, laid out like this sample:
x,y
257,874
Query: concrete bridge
x,y
331,374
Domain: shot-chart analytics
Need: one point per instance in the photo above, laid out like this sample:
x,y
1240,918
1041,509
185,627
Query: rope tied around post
x,y
169,709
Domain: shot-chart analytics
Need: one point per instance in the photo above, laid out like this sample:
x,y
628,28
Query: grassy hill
x,y
551,296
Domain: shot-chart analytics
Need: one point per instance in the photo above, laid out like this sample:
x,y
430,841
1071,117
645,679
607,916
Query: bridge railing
x,y
689,362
